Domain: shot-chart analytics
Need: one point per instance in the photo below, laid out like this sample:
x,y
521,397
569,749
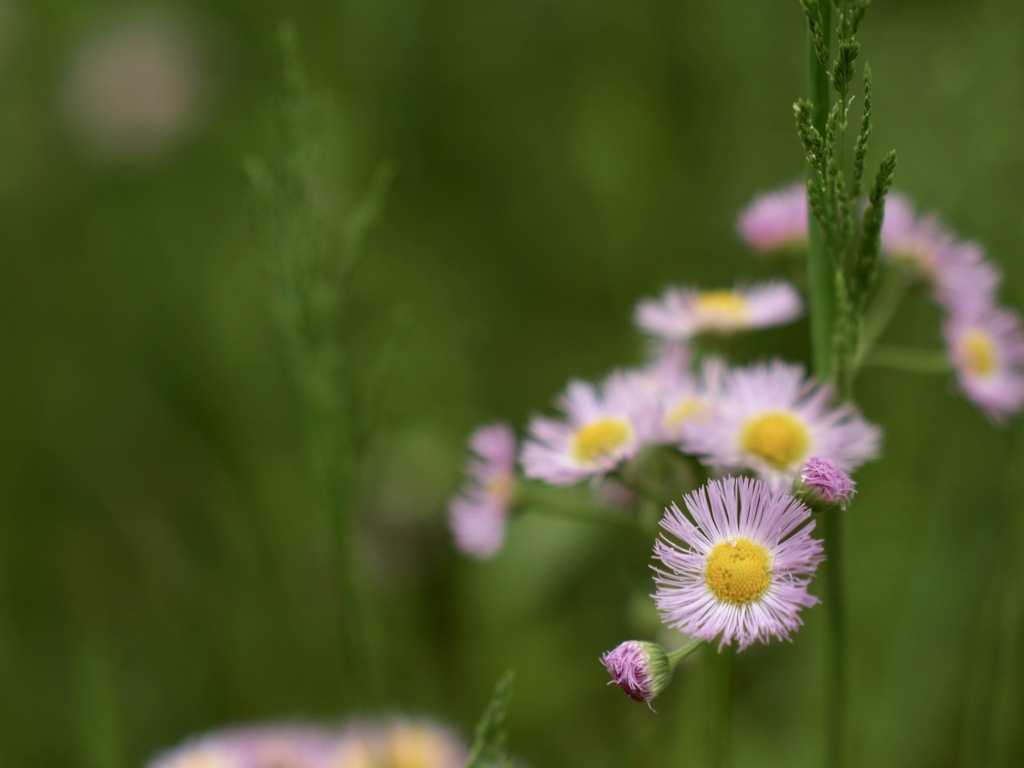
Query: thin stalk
x,y
909,359
821,280
674,657
835,649
720,672
881,312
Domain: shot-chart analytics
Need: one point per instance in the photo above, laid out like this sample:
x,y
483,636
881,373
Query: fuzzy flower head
x,y
641,669
683,313
477,516
776,222
986,347
822,484
770,418
604,426
738,566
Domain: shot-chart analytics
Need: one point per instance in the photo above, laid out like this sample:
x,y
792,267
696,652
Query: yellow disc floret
x,y
686,409
738,571
722,305
979,352
601,438
777,437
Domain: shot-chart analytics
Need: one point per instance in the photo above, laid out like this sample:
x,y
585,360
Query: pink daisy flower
x,y
604,426
477,516
738,566
776,222
683,313
986,347
770,418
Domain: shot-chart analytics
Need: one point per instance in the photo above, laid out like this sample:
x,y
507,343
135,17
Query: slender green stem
x,y
821,280
720,669
881,312
907,359
682,652
835,650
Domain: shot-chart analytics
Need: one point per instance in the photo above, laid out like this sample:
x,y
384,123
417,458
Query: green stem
x,y
881,312
835,650
821,279
720,669
681,653
907,359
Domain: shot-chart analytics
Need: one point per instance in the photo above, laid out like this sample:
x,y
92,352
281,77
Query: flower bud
x,y
641,669
823,485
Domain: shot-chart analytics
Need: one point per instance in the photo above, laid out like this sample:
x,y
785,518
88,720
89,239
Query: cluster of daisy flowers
x,y
984,342
736,565
392,743
761,446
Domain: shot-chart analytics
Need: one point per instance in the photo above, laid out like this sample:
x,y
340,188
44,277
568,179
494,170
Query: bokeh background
x,y
162,567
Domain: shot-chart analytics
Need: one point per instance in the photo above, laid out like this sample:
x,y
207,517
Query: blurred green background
x,y
162,571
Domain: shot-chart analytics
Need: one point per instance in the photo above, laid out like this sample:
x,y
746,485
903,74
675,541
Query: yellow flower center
x,y
738,571
979,352
686,409
777,437
601,438
727,305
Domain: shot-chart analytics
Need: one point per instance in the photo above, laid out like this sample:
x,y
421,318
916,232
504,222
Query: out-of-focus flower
x,y
478,515
957,272
138,84
770,418
776,222
641,669
389,743
821,484
603,427
683,313
986,347
273,746
399,743
739,566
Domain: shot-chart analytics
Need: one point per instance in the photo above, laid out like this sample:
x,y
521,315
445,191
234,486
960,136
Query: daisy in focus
x,y
604,426
986,347
738,566
478,515
683,313
776,222
770,418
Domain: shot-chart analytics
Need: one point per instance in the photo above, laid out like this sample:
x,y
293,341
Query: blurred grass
x,y
160,572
